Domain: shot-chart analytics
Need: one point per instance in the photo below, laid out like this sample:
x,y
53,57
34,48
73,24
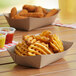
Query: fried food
x,y
42,44
19,17
56,44
32,11
31,54
36,14
39,48
23,12
42,38
44,11
30,8
46,33
13,12
51,13
29,39
39,9
21,49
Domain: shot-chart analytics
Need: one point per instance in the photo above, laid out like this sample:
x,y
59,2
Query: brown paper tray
x,y
39,61
30,23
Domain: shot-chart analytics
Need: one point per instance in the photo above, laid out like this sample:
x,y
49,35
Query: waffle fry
x,y
31,54
42,44
46,33
39,48
30,8
18,53
32,50
13,12
51,13
59,42
56,44
29,39
21,49
42,38
19,17
23,12
44,48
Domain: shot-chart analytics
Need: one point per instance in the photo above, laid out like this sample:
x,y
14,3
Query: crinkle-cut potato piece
x,y
31,54
35,48
18,17
39,48
18,53
56,44
30,8
24,43
42,44
20,49
32,49
44,48
29,39
13,12
23,12
45,33
51,13
59,42
42,38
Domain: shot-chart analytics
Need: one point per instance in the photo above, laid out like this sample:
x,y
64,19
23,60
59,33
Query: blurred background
x,y
6,5
67,13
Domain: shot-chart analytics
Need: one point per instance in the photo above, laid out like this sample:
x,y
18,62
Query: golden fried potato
x,y
46,49
29,39
39,48
30,8
18,53
21,49
42,38
23,12
51,13
56,44
19,17
32,50
45,33
13,12
42,44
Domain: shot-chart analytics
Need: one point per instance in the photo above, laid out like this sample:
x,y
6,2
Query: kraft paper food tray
x,y
38,61
30,22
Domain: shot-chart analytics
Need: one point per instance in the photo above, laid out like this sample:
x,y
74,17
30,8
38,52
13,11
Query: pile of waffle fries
x,y
31,11
42,44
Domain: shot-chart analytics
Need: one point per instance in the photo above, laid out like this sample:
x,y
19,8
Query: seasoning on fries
x,y
42,44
